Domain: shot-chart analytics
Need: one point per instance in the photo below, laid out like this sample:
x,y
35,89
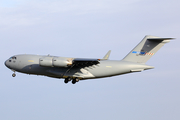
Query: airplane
x,y
76,69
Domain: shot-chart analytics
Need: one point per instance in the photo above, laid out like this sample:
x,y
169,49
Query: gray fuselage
x,y
29,64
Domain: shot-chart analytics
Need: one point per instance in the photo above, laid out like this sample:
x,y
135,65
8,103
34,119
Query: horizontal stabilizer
x,y
137,70
159,39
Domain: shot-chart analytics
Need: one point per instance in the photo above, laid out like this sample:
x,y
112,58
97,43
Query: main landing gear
x,y
74,80
67,80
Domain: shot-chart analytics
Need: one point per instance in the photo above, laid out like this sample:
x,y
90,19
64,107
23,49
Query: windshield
x,y
14,57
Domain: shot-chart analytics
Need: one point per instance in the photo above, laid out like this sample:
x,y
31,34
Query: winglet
x,y
107,55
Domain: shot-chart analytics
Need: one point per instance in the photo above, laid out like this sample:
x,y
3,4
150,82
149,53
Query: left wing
x,y
85,62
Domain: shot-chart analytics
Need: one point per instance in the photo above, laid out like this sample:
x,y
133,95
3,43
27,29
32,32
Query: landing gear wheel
x,y
74,81
77,80
67,80
14,75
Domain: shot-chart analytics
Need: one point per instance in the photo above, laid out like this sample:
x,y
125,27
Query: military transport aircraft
x,y
75,69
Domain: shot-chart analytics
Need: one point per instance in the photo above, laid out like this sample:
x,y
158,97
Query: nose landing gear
x,y
14,75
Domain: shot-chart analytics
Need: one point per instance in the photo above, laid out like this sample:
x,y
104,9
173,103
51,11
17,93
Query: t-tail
x,y
146,49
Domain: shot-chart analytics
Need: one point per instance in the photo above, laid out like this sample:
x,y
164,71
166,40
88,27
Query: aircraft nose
x,y
6,63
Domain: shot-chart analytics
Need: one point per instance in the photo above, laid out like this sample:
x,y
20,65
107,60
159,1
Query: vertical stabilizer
x,y
146,49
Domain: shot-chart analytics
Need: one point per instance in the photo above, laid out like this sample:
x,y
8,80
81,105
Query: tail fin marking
x,y
146,49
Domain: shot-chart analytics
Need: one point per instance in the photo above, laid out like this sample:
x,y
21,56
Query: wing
x,y
85,62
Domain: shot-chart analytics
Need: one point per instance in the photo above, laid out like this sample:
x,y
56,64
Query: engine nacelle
x,y
46,62
61,62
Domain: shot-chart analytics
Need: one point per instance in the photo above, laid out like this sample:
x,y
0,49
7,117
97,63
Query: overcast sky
x,y
88,29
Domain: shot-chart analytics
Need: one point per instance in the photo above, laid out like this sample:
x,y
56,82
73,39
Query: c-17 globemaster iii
x,y
75,69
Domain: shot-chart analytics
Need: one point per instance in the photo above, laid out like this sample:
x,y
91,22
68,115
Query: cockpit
x,y
12,58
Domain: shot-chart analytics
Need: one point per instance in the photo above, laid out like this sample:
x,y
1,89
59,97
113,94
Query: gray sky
x,y
77,28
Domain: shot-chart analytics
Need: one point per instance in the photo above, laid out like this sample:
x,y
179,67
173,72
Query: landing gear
x,y
75,80
67,80
14,75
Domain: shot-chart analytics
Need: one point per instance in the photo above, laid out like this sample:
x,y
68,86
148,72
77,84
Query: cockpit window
x,y
14,57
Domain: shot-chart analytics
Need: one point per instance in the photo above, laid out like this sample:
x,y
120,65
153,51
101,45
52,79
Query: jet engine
x,y
55,61
61,62
46,62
